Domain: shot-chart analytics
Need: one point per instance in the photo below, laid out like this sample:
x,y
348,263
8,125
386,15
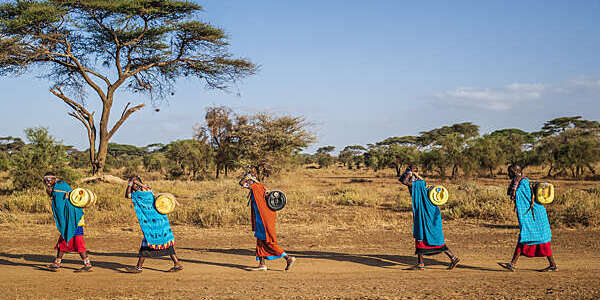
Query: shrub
x,y
43,154
4,162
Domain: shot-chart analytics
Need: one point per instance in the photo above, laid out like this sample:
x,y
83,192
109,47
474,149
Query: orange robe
x,y
263,225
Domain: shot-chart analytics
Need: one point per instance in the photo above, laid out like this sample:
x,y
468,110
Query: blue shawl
x,y
155,226
66,215
532,232
427,218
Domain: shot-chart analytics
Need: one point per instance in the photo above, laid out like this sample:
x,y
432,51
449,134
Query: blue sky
x,y
363,71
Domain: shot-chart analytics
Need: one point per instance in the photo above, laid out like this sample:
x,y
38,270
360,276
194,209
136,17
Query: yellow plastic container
x,y
438,195
165,203
544,192
81,197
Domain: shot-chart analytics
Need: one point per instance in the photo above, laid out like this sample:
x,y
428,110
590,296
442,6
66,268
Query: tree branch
x,y
126,113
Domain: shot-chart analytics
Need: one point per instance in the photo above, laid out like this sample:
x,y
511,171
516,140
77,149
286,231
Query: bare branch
x,y
126,113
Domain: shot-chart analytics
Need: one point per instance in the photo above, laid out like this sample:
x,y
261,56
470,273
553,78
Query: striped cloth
x,y
533,222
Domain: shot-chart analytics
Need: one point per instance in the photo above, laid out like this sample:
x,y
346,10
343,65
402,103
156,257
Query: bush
x,y
42,154
4,162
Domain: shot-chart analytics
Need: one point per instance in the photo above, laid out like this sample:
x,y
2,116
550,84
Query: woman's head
x,y
248,179
49,179
514,170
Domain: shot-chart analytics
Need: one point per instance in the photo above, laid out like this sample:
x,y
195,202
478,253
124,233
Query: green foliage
x,y
42,154
4,162
155,162
267,143
190,158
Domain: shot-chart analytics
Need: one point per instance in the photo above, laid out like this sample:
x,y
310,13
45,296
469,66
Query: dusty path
x,y
332,263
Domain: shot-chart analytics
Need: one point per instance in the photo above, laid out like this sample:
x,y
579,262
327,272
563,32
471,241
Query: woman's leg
x,y
140,262
420,260
453,259
551,261
516,255
176,262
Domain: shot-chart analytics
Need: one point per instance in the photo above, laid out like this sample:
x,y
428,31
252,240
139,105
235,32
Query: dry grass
x,y
329,197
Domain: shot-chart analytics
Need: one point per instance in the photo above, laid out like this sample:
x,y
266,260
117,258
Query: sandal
x,y
86,268
133,270
418,267
54,267
453,263
176,269
290,263
508,266
259,268
549,269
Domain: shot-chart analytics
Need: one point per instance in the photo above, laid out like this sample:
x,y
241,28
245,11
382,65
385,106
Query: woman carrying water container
x,y
263,225
158,237
534,228
427,220
69,221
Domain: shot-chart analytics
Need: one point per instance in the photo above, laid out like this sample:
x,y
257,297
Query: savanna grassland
x,y
350,229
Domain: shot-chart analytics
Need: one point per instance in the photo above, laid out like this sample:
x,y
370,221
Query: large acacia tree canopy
x,y
146,44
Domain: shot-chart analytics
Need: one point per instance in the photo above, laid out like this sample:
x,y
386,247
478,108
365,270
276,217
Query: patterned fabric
x,y
533,221
427,218
146,251
155,226
66,215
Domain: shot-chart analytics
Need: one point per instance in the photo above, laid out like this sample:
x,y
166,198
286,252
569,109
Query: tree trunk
x,y
589,166
398,170
226,171
491,172
218,170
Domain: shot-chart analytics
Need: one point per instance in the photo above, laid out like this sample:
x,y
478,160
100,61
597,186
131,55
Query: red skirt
x,y
539,250
76,244
421,247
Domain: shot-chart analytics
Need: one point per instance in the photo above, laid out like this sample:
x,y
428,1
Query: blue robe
x,y
532,232
155,226
66,215
427,218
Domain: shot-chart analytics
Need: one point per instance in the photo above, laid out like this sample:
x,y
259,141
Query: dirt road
x,y
332,263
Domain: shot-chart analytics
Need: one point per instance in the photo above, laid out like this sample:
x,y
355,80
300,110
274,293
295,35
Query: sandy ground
x,y
332,263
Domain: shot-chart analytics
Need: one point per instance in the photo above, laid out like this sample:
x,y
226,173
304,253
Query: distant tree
x,y
42,154
218,130
191,158
487,153
324,157
267,143
105,46
10,144
155,161
4,162
399,152
450,143
352,155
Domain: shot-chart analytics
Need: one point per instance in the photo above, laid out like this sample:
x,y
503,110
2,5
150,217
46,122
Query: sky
x,y
362,71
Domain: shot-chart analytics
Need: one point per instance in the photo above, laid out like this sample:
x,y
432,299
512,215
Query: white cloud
x,y
494,99
507,97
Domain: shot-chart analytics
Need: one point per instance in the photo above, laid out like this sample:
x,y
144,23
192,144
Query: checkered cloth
x,y
532,231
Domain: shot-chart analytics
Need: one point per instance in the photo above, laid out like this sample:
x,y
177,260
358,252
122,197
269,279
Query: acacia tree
x,y
102,46
218,130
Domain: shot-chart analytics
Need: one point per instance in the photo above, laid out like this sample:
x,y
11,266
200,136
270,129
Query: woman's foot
x,y
133,270
54,267
508,266
176,268
453,263
418,267
290,262
550,269
259,268
86,268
